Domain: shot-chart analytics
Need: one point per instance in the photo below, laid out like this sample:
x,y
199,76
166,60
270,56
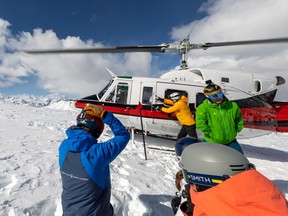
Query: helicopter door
x,y
144,95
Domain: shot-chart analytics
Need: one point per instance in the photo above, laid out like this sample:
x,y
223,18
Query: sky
x,y
30,181
91,23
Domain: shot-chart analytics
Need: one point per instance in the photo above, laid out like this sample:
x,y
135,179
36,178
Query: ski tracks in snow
x,y
29,170
131,193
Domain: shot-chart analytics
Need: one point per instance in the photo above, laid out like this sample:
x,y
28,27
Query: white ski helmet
x,y
175,96
209,164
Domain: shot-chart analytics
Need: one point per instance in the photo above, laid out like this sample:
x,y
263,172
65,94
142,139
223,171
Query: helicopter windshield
x,y
103,91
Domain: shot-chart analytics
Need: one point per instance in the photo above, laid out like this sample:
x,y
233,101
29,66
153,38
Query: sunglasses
x,y
216,96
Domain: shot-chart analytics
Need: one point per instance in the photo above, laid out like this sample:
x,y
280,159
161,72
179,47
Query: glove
x,y
175,203
96,110
168,102
187,207
178,178
158,108
159,99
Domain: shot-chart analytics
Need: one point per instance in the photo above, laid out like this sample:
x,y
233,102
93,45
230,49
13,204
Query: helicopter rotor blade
x,y
234,43
118,49
184,47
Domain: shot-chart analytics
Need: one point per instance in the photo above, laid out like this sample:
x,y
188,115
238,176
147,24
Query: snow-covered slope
x,y
31,129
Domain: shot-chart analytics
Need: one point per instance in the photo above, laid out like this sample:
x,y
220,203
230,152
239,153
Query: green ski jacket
x,y
219,123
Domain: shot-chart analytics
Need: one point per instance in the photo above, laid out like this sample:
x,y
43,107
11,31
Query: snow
x,y
31,130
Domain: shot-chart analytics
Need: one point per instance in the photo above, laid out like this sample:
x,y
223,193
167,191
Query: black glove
x,y
187,207
175,203
158,108
159,99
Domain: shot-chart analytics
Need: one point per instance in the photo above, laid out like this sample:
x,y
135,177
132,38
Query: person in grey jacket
x,y
84,163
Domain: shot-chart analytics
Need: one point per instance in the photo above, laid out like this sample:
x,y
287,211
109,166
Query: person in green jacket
x,y
179,106
219,119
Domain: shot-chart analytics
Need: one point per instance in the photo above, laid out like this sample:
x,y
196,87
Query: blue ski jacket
x,y
84,166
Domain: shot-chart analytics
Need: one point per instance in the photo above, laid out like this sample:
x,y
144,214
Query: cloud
x,y
84,74
71,74
229,20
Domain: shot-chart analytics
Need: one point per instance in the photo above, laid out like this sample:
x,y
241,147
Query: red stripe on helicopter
x,y
273,118
132,110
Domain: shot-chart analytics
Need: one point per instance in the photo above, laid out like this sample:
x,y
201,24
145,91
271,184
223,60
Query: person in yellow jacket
x,y
222,181
183,114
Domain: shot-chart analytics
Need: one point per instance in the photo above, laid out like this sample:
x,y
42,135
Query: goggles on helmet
x,y
215,96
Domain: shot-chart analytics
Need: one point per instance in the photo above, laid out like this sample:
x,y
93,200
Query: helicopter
x,y
136,100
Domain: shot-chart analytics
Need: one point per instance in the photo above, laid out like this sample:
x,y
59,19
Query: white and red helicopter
x,y
135,100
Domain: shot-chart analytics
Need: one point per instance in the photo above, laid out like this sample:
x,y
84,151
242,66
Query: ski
x,y
164,150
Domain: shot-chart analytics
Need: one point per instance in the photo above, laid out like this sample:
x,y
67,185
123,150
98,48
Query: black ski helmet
x,y
209,164
175,96
95,125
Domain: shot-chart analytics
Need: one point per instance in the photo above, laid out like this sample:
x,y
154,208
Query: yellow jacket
x,y
182,111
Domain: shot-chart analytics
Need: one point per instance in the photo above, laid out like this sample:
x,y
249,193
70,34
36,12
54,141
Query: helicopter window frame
x,y
147,95
104,90
122,92
111,96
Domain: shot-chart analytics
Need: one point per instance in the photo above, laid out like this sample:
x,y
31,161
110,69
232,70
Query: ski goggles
x,y
215,96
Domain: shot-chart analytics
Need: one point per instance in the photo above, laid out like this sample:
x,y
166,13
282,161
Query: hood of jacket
x,y
183,99
79,139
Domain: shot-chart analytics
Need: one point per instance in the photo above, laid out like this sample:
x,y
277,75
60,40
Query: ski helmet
x,y
209,164
175,96
212,89
95,125
214,93
183,143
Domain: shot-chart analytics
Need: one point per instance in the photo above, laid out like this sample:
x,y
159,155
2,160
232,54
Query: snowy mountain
x,y
31,100
31,130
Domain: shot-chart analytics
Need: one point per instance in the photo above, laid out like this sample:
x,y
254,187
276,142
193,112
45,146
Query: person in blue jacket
x,y
84,163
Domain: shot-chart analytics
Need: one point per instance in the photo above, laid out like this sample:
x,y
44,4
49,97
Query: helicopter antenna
x,y
110,72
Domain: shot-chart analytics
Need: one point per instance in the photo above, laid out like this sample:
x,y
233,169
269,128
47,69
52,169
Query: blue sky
x,y
115,21
71,23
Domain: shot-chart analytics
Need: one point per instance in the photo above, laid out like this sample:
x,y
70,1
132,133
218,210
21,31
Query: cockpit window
x,y
111,96
103,91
